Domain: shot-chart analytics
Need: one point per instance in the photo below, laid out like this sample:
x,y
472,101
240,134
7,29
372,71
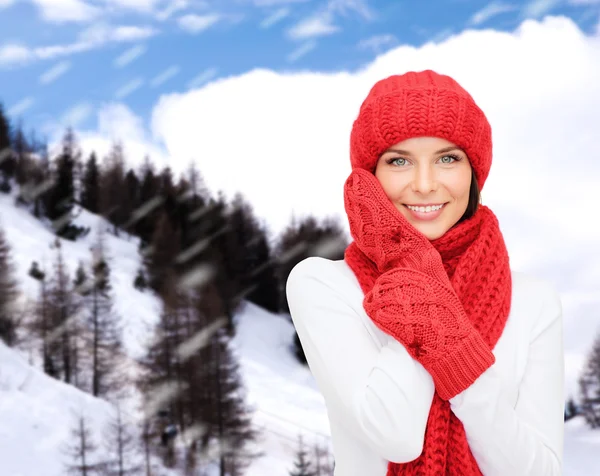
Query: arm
x,y
383,396
527,439
422,311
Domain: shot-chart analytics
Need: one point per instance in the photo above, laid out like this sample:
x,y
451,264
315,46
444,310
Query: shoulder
x,y
538,297
315,272
323,280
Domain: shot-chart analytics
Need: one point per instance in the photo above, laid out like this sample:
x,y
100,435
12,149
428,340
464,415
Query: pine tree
x,y
149,198
61,197
146,438
322,460
37,189
196,182
140,282
132,198
164,377
102,324
249,268
302,464
90,186
42,324
113,198
191,357
229,418
8,293
23,159
160,262
300,240
65,327
304,238
7,158
121,445
589,385
265,293
570,409
81,450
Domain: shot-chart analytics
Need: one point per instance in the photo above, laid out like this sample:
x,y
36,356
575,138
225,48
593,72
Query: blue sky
x,y
61,59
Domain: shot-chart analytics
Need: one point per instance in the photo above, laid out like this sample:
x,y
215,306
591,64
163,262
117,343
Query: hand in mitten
x,y
412,299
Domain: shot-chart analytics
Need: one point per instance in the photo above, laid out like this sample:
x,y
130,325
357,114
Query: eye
x,y
454,158
398,161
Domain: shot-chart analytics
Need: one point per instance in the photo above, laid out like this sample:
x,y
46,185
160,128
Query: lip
x,y
424,216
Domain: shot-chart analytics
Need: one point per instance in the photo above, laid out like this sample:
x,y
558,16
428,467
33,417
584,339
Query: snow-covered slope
x,y
36,411
281,391
36,415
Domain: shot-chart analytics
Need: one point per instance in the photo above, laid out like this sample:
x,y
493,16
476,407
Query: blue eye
x,y
454,157
394,161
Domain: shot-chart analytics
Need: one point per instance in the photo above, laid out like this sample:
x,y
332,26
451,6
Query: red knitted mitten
x,y
413,299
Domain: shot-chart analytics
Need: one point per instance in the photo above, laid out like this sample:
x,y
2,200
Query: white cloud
x,y
6,3
489,11
143,6
319,24
91,38
275,17
20,107
378,42
539,8
173,7
133,33
55,72
301,51
75,115
116,122
62,11
322,22
129,56
14,54
271,3
202,78
193,23
164,76
344,7
129,88
72,117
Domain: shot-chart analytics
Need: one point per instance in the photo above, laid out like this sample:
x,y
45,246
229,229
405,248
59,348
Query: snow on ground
x,y
282,392
36,411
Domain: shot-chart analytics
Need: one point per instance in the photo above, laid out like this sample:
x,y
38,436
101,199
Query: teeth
x,y
425,209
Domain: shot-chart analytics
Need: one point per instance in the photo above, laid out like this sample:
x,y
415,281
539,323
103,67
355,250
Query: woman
x,y
433,356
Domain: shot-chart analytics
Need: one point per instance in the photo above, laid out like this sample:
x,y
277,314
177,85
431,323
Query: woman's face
x,y
422,172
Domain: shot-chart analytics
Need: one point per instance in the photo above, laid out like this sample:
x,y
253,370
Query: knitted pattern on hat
x,y
445,300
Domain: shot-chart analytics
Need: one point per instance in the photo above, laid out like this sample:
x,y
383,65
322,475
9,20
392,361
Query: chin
x,y
431,234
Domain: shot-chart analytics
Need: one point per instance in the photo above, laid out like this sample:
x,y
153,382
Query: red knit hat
x,y
418,104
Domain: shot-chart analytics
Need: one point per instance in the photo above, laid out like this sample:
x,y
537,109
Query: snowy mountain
x,y
36,411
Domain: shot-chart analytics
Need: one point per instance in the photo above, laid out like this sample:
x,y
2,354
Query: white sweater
x,y
378,397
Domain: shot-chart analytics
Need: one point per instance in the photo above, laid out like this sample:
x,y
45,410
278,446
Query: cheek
x,y
460,185
392,184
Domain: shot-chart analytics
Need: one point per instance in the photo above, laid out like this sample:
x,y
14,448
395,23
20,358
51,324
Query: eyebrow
x,y
406,152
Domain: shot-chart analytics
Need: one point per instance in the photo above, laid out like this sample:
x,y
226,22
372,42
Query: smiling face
x,y
427,172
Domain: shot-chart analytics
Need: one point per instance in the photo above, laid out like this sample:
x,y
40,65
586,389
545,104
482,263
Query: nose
x,y
424,180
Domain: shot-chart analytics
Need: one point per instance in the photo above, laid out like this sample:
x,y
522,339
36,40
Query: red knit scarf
x,y
476,263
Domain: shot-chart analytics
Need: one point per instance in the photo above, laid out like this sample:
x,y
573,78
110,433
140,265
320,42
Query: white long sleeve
x,y
378,398
380,394
525,438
